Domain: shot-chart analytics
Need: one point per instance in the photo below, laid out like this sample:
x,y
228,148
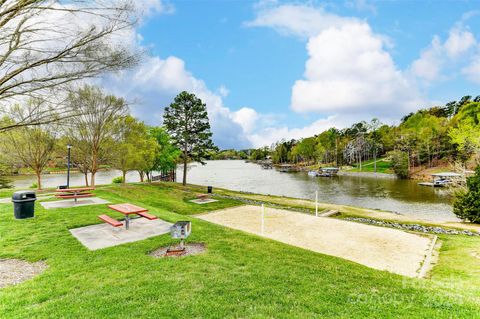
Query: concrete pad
x,y
69,203
203,201
104,235
377,247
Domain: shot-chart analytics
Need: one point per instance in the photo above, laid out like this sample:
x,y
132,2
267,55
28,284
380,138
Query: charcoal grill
x,y
179,230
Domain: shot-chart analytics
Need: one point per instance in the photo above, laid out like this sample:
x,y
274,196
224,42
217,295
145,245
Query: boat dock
x,y
444,179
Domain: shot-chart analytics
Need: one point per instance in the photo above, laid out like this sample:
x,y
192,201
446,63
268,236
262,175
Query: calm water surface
x,y
401,196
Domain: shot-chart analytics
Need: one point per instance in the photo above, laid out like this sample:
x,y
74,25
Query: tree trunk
x,y
142,176
124,177
184,182
185,160
39,180
86,178
94,167
92,179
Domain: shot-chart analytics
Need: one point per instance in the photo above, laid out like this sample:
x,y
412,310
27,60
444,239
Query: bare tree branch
x,y
47,44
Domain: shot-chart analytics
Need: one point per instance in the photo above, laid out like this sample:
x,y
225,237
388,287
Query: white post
x,y
263,217
316,203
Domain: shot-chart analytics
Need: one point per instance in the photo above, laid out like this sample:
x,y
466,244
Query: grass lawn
x,y
383,166
239,276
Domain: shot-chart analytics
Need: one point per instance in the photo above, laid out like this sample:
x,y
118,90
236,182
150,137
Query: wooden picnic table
x,y
75,193
127,210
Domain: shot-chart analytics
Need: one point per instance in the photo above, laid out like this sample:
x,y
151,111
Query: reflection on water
x,y
402,196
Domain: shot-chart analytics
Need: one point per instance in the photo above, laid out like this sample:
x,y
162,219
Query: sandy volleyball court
x,y
376,247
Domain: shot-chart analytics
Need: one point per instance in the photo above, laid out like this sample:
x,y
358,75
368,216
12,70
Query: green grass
x,y
240,275
383,166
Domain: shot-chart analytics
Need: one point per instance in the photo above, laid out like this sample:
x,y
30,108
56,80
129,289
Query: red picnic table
x,y
75,193
130,209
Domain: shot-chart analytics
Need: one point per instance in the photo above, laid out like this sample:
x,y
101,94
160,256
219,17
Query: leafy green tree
x,y
260,153
186,120
135,149
465,133
167,154
430,135
400,163
467,203
31,146
281,153
306,148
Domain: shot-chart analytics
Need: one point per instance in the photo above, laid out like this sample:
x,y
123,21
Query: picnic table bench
x,y
110,220
203,196
127,210
74,193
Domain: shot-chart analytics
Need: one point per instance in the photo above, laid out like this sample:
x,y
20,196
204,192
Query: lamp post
x,y
68,165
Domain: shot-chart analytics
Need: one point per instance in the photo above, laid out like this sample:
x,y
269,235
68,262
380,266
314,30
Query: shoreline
x,y
368,174
381,218
370,216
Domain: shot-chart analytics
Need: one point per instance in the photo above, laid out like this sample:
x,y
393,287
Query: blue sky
x,y
276,69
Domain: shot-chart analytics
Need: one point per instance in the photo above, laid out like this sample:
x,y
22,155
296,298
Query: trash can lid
x,y
23,195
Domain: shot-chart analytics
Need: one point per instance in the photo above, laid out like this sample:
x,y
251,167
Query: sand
x,y
380,248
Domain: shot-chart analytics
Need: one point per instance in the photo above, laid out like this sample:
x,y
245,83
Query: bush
x,y
399,163
4,181
34,185
467,202
117,180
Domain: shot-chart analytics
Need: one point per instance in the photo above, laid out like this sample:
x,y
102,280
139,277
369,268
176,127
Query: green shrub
x,y
117,180
5,182
34,185
467,202
399,163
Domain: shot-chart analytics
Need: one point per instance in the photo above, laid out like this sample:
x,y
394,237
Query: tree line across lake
x,y
449,133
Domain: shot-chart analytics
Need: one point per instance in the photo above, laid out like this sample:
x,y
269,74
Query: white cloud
x,y
155,83
472,71
428,66
361,5
223,91
267,136
459,41
296,20
148,8
348,70
247,118
449,55
349,75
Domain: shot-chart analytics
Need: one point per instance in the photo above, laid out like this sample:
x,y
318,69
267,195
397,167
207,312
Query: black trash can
x,y
209,189
24,204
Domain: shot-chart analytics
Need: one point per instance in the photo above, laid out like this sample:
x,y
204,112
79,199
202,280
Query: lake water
x,y
391,194
401,196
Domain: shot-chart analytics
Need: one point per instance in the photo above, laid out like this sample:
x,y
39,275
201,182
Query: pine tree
x,y
186,120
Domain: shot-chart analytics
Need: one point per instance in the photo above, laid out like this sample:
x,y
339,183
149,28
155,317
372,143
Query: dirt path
x,y
376,247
